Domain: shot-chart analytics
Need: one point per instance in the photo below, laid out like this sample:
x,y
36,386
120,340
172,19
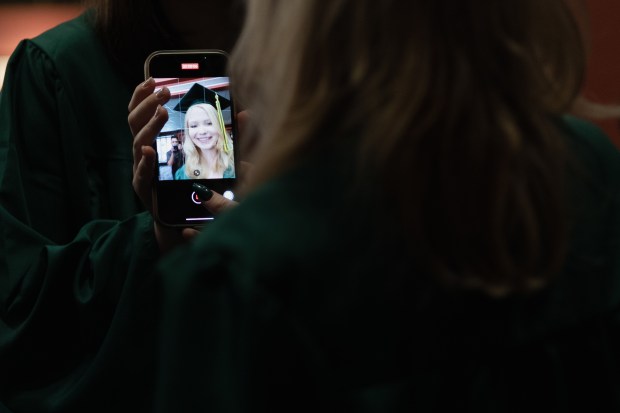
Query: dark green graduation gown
x,y
76,248
293,302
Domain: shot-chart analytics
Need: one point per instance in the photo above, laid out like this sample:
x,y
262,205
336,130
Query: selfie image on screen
x,y
197,141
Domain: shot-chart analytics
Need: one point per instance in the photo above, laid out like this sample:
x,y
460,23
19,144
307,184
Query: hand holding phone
x,y
198,141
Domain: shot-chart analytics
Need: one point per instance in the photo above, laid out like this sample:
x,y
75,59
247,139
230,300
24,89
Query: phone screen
x,y
197,143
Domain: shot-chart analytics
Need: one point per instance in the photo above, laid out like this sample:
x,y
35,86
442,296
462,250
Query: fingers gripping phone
x,y
197,143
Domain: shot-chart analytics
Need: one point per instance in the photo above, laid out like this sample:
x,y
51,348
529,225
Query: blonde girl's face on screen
x,y
203,131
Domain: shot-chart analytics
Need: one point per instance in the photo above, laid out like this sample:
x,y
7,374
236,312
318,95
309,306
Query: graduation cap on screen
x,y
200,94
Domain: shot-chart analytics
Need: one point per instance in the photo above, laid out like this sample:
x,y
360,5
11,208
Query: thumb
x,y
211,200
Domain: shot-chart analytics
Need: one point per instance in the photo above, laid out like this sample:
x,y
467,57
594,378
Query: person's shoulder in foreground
x,y
590,282
589,142
268,289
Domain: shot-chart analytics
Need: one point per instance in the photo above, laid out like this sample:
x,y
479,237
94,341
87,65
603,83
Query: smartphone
x,y
198,142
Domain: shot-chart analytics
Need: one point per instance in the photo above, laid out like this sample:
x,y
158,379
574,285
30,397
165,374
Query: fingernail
x,y
156,111
160,92
204,194
148,82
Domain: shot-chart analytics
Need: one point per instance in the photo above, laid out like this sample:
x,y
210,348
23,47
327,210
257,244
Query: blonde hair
x,y
458,99
193,154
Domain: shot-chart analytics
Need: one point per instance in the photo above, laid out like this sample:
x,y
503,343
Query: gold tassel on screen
x,y
221,120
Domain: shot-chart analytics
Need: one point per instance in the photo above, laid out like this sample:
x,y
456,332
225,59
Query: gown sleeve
x,y
74,304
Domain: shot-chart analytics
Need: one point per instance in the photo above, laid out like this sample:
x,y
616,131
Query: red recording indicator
x,y
190,66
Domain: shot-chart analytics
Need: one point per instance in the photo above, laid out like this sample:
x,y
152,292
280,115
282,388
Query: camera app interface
x,y
197,141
